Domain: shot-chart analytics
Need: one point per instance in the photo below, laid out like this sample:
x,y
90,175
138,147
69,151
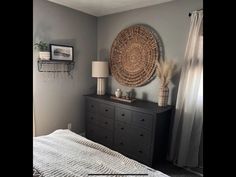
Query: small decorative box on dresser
x,y
139,130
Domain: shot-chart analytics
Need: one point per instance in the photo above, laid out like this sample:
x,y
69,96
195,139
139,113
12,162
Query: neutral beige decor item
x,y
44,55
164,71
100,71
163,96
134,54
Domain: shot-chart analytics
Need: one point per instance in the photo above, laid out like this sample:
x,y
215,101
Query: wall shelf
x,y
55,66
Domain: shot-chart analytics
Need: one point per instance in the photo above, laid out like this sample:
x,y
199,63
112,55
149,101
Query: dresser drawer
x,y
140,136
140,153
123,115
142,120
105,123
106,110
105,137
91,118
121,128
122,144
91,132
92,106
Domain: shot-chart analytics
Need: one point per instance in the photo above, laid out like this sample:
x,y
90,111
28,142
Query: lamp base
x,y
100,86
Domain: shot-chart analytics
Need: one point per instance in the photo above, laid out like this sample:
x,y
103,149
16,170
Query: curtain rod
x,y
190,13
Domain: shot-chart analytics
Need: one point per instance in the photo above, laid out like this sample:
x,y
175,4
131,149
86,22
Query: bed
x,y
65,153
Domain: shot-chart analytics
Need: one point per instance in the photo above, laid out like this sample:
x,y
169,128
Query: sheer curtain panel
x,y
188,120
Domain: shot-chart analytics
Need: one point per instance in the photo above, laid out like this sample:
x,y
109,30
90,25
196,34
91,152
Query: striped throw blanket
x,y
67,154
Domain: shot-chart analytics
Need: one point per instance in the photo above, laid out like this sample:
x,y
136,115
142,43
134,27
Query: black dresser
x,y
139,130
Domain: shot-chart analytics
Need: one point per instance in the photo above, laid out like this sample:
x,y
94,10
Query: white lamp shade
x,y
100,69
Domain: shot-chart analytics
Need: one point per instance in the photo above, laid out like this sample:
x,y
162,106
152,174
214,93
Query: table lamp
x,y
100,71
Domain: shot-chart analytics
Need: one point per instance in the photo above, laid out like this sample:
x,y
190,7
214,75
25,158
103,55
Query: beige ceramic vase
x,y
163,96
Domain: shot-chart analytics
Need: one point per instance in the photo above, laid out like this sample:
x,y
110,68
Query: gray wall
x,y
171,22
59,100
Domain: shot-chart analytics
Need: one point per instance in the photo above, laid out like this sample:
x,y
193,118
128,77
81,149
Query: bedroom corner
x,y
80,131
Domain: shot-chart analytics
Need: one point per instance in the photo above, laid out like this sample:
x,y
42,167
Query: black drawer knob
x,y
92,106
141,135
106,123
121,143
140,151
91,118
123,115
122,128
105,137
106,110
142,120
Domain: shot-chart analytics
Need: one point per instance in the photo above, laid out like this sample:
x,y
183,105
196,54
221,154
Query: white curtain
x,y
188,120
33,121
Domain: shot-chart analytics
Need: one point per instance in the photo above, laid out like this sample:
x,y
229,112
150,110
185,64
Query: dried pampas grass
x,y
165,70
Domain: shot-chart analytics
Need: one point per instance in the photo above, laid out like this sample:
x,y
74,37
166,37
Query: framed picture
x,y
61,52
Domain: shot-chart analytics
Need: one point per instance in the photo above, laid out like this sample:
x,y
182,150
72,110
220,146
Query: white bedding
x,y
64,153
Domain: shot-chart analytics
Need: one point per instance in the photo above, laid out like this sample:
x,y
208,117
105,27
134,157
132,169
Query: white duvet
x,y
64,153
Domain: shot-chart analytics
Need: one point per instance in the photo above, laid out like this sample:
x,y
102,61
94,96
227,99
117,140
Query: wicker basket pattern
x,y
133,56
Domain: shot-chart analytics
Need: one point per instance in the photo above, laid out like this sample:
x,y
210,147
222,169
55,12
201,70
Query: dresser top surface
x,y
137,103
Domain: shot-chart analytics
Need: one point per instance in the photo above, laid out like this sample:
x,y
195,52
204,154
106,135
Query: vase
x,y
44,55
118,93
163,96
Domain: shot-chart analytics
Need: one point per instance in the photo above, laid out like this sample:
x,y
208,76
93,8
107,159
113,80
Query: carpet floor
x,y
174,171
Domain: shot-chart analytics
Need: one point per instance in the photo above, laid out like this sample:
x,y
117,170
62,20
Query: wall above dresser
x,y
171,22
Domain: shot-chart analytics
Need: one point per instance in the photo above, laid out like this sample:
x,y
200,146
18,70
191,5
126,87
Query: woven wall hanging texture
x,y
134,54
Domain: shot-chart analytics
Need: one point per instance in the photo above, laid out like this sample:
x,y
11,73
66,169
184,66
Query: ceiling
x,y
105,7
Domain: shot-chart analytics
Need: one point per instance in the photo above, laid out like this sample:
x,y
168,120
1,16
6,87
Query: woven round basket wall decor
x,y
134,54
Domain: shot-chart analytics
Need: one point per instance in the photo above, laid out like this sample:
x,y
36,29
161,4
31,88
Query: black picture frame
x,y
61,52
